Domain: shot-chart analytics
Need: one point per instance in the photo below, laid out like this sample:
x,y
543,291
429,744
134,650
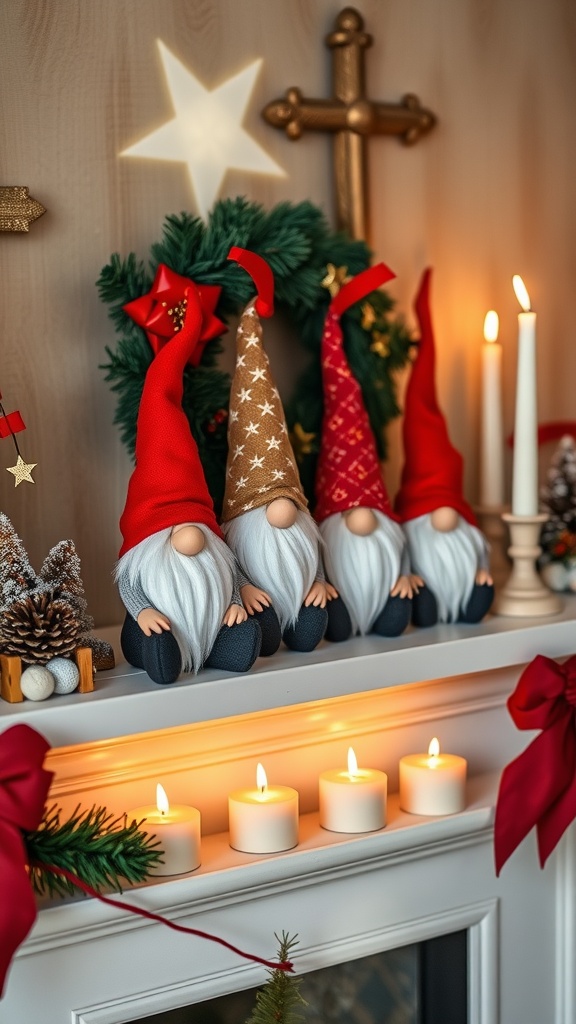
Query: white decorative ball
x,y
37,683
65,673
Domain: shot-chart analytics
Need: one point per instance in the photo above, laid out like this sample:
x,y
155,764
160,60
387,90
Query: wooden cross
x,y
352,117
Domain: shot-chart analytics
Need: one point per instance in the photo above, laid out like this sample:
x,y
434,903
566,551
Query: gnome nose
x,y
361,521
444,519
281,513
187,539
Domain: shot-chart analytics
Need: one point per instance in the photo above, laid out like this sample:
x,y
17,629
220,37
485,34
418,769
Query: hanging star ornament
x,y
22,471
335,278
206,132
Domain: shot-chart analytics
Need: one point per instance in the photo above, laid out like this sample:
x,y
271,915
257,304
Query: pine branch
x,y
280,1000
93,845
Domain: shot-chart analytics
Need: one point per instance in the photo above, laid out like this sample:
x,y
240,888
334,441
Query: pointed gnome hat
x,y
167,486
433,469
261,464
348,473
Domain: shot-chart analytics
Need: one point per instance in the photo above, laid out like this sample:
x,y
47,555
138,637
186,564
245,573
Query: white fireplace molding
x,y
345,896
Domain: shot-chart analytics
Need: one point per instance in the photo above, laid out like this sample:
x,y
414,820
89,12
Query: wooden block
x,y
83,659
10,672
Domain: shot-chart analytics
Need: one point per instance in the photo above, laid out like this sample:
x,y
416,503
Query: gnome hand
x,y
407,586
331,592
483,577
318,594
234,615
151,621
254,599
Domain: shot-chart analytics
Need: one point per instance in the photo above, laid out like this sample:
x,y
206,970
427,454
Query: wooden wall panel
x,y
488,194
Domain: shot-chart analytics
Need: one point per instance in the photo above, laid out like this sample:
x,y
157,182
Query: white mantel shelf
x,y
227,876
126,701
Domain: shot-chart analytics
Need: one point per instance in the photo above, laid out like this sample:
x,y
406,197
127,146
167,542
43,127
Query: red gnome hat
x,y
433,470
348,473
167,486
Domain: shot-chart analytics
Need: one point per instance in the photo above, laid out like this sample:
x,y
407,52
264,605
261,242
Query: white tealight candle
x,y
177,829
525,462
492,435
265,819
353,801
432,783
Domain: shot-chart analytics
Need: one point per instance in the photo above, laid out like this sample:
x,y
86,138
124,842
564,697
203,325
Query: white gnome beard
x,y
447,562
193,592
284,563
363,569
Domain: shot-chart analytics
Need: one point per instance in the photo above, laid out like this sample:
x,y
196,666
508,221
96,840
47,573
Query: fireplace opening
x,y
425,983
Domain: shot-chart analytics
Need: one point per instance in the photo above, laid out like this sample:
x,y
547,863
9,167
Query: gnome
x,y
446,547
265,517
176,575
365,549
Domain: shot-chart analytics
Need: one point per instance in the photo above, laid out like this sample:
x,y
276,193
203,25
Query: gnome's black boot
x,y
271,632
339,621
236,647
308,630
479,604
394,616
158,654
424,608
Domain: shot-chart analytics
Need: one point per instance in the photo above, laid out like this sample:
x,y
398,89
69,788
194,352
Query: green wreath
x,y
298,244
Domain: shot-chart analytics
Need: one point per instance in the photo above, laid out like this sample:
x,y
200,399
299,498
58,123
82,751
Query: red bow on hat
x,y
24,786
539,787
162,310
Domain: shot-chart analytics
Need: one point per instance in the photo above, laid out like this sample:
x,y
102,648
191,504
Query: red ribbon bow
x,y
539,787
24,786
162,310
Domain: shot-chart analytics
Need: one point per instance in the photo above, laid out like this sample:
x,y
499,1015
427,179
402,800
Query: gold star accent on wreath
x,y
380,344
368,316
335,278
301,441
22,471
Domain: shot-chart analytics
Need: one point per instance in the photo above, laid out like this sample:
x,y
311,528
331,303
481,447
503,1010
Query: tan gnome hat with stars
x,y
261,464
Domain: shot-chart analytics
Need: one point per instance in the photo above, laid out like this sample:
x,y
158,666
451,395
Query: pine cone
x,y
38,627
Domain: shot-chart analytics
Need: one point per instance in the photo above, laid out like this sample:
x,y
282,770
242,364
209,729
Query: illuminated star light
x,y
206,133
22,471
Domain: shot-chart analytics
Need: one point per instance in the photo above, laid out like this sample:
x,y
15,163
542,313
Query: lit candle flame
x,y
261,779
162,800
352,762
434,748
491,324
521,293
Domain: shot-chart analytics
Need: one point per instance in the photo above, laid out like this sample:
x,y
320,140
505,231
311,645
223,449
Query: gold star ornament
x,y
335,278
301,441
22,471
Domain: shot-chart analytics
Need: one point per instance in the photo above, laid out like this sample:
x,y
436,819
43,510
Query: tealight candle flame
x,y
261,778
491,324
352,762
521,293
162,800
434,748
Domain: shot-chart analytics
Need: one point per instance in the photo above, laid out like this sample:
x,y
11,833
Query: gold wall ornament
x,y
352,117
18,209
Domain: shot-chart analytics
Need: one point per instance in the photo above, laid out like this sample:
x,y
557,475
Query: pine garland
x,y
94,845
298,244
279,999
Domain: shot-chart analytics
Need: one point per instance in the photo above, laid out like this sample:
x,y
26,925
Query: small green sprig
x,y
280,1000
94,845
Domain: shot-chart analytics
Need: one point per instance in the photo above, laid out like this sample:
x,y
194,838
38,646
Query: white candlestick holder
x,y
492,525
524,594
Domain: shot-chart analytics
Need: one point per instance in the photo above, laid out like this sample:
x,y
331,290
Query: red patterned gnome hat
x,y
348,473
261,464
433,470
167,486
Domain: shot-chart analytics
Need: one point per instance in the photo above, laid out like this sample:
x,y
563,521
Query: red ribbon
x,y
24,786
539,787
283,965
360,286
153,311
261,273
